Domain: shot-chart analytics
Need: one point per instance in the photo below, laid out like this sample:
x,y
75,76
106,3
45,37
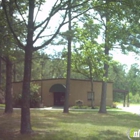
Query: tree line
x,y
46,67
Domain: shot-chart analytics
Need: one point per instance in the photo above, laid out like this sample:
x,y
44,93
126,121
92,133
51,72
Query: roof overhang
x,y
58,88
120,91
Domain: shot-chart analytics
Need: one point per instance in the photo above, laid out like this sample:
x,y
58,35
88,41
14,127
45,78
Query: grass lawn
x,y
2,105
77,125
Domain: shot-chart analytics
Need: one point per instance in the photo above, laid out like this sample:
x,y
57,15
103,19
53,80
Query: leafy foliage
x,y
125,80
35,98
88,57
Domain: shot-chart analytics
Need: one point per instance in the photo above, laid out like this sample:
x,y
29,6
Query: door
x,y
59,98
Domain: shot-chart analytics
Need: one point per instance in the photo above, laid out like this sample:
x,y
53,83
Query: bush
x,y
17,100
80,107
134,98
79,102
2,99
35,98
114,105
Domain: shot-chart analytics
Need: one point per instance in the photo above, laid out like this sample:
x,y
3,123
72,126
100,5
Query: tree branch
x,y
80,72
53,12
20,12
37,11
57,31
10,26
46,21
2,58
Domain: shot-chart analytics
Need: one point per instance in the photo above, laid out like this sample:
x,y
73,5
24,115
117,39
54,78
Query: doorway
x,y
59,98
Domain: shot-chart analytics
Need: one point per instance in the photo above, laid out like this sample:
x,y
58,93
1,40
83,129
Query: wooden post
x,y
124,100
128,99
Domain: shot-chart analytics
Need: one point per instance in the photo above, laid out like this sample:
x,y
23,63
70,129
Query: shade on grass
x,y
77,125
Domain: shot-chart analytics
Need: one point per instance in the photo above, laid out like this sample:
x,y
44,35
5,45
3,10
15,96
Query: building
x,y
52,91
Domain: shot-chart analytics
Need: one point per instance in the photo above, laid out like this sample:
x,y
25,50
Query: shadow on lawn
x,y
64,135
111,135
106,135
51,125
112,118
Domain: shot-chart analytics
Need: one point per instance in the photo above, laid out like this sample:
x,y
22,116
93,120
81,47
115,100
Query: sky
x,y
128,59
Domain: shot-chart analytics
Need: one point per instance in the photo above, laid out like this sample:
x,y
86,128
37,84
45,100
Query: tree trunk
x,y
25,109
124,99
92,94
106,66
104,83
91,81
0,72
104,91
66,103
8,91
14,72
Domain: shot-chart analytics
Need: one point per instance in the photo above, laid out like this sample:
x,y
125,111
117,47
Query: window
x,y
89,96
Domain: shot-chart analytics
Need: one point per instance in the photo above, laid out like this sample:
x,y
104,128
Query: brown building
x,y
52,91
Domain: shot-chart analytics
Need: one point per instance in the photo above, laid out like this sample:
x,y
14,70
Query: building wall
x,y
78,91
47,96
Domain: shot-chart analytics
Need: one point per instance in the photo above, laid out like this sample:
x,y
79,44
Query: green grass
x,y
77,125
2,105
95,109
134,104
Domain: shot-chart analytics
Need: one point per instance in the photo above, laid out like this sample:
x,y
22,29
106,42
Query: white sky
x,y
127,59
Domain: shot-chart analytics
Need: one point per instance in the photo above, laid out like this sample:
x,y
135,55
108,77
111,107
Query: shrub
x,y
2,99
134,98
79,103
35,98
17,100
80,107
114,105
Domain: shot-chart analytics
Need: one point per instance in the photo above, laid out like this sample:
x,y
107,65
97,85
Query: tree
x,y
117,74
43,66
88,57
34,32
18,65
106,66
103,12
69,38
57,65
6,55
132,78
8,92
111,17
130,35
89,62
31,27
100,9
